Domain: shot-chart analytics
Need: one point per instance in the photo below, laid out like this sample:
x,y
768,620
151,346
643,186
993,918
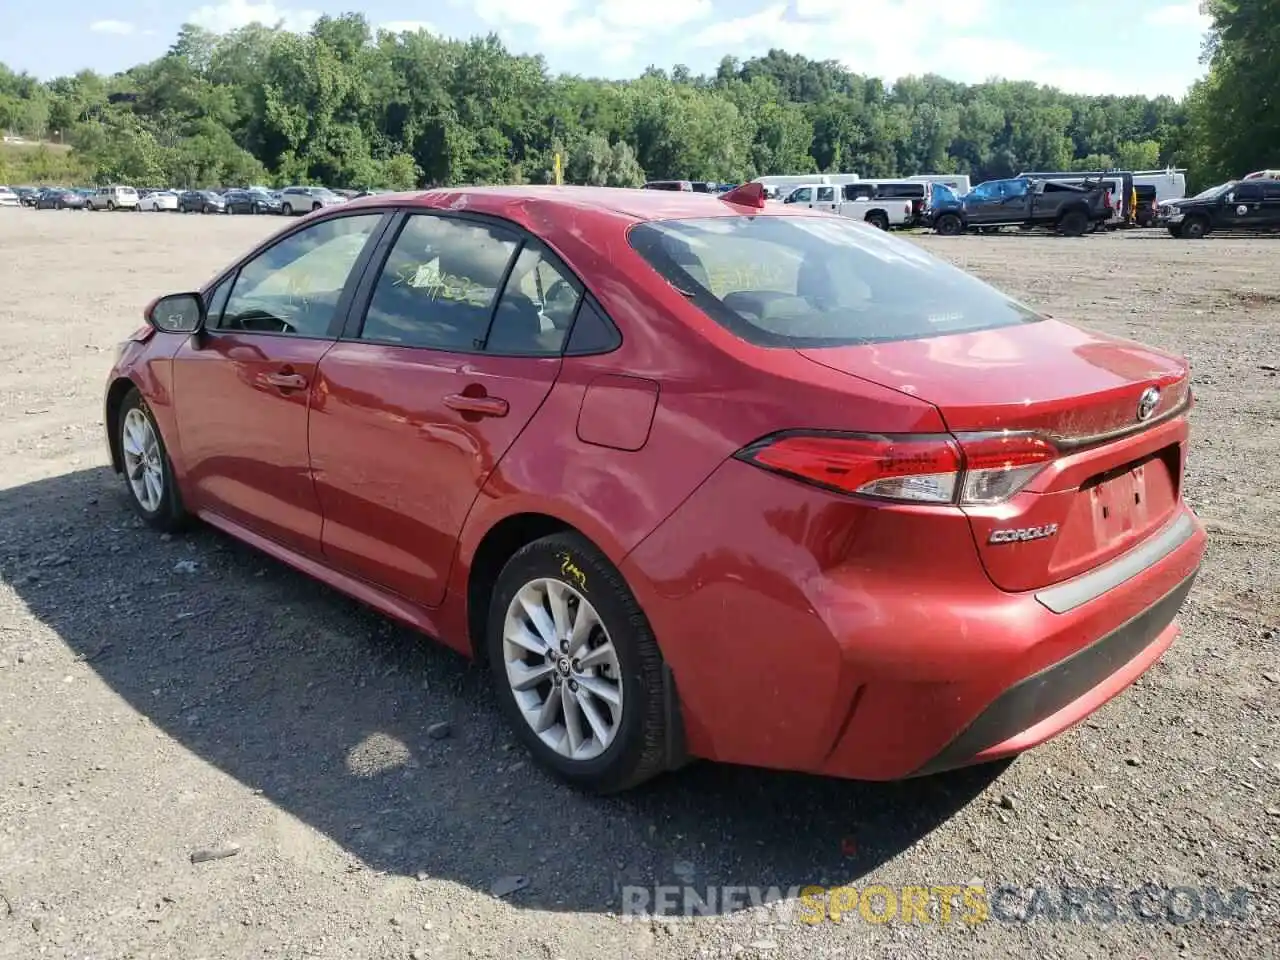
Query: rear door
x,y
455,341
1271,205
825,199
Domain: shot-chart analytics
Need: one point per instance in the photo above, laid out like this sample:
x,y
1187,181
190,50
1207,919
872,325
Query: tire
x,y
315,207
635,748
1175,230
949,225
1195,228
1073,223
166,511
254,210
111,206
878,220
287,209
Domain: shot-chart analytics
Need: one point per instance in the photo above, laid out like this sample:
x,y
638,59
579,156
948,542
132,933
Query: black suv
x,y
1238,205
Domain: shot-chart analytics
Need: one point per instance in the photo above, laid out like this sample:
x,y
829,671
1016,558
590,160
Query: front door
x,y
1243,208
415,409
242,388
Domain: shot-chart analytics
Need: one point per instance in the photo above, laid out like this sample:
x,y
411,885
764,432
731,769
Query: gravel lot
x,y
164,696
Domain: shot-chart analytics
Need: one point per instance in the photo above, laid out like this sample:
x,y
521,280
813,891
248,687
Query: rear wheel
x,y
1073,223
577,668
1195,228
148,472
111,206
948,225
878,220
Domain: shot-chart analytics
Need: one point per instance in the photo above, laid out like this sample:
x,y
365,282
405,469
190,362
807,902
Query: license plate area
x,y
1130,498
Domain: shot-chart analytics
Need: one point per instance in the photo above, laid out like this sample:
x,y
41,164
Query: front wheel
x,y
315,207
287,210
111,206
1195,228
148,472
878,220
577,668
948,225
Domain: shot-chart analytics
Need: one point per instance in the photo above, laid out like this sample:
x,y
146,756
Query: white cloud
x,y
234,14
119,28
1184,14
407,26
855,35
611,30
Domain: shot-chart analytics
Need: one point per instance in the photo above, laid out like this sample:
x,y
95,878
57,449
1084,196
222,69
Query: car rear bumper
x,y
1046,703
822,636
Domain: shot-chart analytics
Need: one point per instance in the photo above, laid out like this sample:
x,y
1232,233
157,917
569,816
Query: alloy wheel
x,y
142,459
563,669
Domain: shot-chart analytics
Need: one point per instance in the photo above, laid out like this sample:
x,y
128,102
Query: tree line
x,y
347,106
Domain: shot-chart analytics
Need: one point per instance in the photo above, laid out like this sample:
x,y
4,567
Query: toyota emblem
x,y
1148,402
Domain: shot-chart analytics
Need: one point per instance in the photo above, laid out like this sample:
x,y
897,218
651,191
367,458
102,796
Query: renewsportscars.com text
x,y
946,903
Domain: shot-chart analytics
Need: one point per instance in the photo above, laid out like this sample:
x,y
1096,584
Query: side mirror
x,y
177,313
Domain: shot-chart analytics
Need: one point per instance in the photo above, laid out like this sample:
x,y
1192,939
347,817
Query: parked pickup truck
x,y
880,212
1070,209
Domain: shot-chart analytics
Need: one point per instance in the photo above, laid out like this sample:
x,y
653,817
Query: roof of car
x,y
622,202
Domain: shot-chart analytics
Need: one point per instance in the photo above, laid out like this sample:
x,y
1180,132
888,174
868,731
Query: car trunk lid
x,y
1118,476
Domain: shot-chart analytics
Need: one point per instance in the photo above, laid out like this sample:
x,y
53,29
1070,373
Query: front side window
x,y
802,195
812,282
985,191
439,284
1014,189
294,286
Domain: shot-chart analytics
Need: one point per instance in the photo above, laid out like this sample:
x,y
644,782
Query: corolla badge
x,y
1148,402
1023,534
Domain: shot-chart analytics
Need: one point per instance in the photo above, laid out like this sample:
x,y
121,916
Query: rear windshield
x,y
818,281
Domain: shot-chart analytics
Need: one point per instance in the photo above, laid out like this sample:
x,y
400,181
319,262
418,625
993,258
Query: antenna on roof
x,y
748,195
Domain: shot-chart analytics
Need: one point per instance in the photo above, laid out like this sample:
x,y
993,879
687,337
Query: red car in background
x,y
698,477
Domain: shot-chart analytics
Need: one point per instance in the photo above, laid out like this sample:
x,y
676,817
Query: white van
x,y
1170,184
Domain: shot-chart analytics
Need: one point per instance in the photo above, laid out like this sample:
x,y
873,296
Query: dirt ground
x,y
151,708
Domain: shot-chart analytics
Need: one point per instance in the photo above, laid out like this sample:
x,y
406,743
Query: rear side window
x,y
439,284
813,282
537,307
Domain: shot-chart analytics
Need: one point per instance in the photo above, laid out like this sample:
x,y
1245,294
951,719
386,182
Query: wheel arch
x,y
116,393
498,545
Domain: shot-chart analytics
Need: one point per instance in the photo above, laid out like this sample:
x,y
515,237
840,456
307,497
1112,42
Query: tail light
x,y
965,469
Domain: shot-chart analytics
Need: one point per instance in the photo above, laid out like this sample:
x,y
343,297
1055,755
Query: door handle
x,y
484,406
286,381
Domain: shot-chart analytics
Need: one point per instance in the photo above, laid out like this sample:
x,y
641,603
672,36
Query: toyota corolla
x,y
696,476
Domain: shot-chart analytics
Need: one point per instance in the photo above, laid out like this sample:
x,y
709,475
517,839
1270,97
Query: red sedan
x,y
697,476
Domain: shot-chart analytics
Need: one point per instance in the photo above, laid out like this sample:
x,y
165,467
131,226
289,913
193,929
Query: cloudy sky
x,y
1086,46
